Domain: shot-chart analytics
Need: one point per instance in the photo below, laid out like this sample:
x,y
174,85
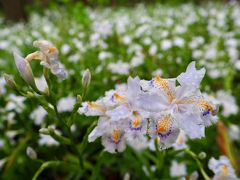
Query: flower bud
x,y
25,70
202,155
31,153
44,131
86,79
10,82
58,137
30,94
79,99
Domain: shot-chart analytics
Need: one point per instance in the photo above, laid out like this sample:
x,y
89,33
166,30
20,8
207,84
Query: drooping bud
x,y
86,78
31,153
44,131
10,82
25,70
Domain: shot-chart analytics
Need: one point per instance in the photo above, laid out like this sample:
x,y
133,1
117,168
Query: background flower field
x,y
114,43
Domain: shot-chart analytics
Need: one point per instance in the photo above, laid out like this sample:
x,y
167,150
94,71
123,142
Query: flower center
x,y
51,50
224,169
115,136
136,122
118,97
163,124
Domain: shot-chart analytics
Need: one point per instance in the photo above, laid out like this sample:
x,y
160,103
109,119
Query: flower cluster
x,y
157,109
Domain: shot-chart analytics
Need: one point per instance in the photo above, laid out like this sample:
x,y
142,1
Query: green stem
x,y
58,137
49,164
84,142
195,157
95,172
16,151
160,156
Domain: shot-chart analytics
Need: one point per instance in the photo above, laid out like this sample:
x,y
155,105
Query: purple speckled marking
x,y
86,109
112,98
164,135
206,112
151,83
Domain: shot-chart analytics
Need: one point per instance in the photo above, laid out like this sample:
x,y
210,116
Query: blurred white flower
x,y
38,115
157,72
104,55
152,49
65,49
234,132
237,65
228,102
66,104
119,67
47,140
137,60
166,44
2,86
178,42
2,162
1,143
15,103
178,169
126,40
222,168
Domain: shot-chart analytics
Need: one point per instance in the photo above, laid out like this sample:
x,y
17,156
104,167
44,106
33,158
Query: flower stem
x,y
49,164
195,157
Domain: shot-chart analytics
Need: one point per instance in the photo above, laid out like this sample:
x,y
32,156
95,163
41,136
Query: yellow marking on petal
x,y
180,139
52,50
119,97
136,122
115,136
224,169
163,124
163,83
186,101
94,105
205,105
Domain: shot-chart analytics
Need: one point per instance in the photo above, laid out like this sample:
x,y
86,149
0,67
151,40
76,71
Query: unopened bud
x,y
31,153
79,99
202,155
86,79
30,94
10,81
44,131
25,70
58,137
